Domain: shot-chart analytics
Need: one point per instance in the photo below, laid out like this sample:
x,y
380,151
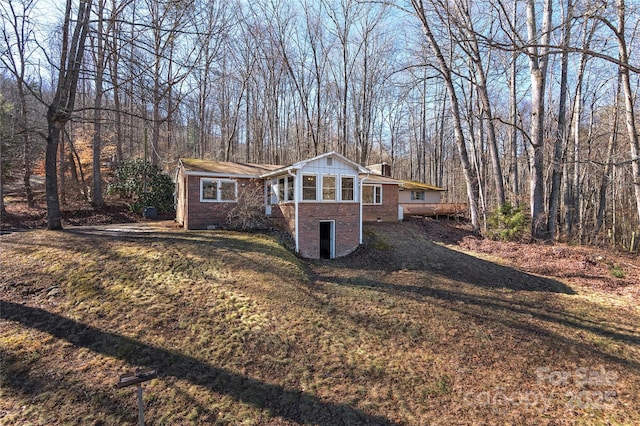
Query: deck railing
x,y
434,209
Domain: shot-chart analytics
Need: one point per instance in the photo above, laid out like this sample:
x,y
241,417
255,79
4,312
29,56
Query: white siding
x,y
430,197
338,169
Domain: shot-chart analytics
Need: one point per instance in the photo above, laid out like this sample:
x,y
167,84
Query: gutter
x,y
220,175
296,199
361,183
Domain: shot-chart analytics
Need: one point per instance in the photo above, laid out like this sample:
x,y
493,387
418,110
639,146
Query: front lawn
x,y
242,332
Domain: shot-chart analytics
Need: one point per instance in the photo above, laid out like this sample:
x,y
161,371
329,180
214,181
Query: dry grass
x,y
242,332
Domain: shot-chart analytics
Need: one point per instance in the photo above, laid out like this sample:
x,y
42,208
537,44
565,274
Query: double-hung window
x,y
309,187
347,185
328,188
372,194
218,190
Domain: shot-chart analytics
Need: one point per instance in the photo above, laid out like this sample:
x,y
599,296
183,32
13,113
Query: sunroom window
x,y
328,188
309,186
347,185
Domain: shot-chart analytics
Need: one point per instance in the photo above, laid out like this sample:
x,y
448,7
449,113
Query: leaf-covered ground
x,y
404,331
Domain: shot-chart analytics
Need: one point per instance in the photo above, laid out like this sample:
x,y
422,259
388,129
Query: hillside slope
x,y
404,331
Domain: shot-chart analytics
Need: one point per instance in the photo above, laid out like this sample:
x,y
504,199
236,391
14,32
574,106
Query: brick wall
x,y
346,216
385,212
199,215
347,227
283,216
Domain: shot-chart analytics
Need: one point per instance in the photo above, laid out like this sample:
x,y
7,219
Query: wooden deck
x,y
434,209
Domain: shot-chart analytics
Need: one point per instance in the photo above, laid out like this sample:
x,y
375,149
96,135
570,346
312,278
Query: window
x,y
328,188
347,185
218,190
417,195
281,191
372,194
290,188
209,190
309,184
286,188
227,190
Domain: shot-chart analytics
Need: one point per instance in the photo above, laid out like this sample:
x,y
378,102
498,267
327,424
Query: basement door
x,y
327,239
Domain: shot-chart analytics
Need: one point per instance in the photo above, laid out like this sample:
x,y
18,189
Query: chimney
x,y
386,170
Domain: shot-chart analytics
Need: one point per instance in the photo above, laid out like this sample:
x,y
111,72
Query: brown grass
x,y
242,332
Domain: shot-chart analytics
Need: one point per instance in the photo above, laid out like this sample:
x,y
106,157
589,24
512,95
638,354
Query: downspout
x,y
360,195
295,202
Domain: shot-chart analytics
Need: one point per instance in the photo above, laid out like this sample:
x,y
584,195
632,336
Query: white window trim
x,y
289,188
414,196
336,187
288,182
354,189
318,185
375,187
218,193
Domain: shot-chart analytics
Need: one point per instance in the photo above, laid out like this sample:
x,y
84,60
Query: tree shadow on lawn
x,y
501,293
432,258
30,383
211,239
494,305
467,303
289,404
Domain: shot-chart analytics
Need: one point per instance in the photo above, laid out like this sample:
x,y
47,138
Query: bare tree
x,y
342,17
628,93
538,55
560,142
3,106
17,33
572,161
606,175
447,75
61,108
460,15
98,45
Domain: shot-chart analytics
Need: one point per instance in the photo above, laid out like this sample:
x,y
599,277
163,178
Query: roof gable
x,y
357,168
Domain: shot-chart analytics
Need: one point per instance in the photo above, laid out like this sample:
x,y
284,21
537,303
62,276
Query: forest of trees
x,y
526,102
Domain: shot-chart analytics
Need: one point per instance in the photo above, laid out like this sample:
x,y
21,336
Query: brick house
x,y
321,201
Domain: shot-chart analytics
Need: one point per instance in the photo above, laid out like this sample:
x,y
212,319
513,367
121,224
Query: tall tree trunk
x,y
26,145
2,209
513,118
97,199
59,112
480,82
606,176
538,60
467,169
113,58
560,142
628,93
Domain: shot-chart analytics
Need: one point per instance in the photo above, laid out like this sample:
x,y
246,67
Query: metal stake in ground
x,y
137,377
